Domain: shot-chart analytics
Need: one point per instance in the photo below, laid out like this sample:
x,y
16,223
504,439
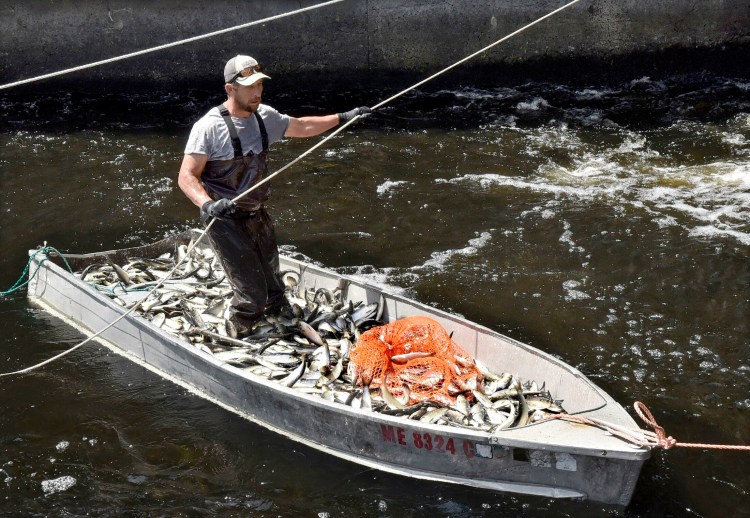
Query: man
x,y
226,155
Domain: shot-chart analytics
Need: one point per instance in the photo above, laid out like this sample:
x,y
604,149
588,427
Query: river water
x,y
608,225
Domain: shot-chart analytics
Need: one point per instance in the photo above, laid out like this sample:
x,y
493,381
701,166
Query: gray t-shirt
x,y
210,135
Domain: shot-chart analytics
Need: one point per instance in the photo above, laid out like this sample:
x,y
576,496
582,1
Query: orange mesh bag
x,y
417,353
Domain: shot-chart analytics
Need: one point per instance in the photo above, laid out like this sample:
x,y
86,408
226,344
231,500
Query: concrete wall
x,y
363,40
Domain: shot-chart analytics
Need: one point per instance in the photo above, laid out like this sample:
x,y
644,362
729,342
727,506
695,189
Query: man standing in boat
x,y
226,155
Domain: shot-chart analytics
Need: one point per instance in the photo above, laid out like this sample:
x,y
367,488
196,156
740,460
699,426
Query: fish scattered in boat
x,y
309,352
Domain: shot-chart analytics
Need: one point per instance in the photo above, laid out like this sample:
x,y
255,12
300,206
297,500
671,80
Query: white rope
x,y
417,85
166,46
282,169
475,54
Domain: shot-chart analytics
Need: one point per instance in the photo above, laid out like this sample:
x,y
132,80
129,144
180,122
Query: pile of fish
x,y
307,352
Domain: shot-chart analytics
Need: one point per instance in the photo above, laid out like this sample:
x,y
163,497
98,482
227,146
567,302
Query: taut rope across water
x,y
166,46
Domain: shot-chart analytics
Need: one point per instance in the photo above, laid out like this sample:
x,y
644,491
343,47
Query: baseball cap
x,y
244,70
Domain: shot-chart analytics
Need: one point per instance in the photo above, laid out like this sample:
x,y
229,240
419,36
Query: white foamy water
x,y
594,93
389,186
711,200
377,277
58,485
533,105
440,259
567,238
572,291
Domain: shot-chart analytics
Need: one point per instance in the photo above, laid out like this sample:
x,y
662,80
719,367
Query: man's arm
x,y
189,178
310,126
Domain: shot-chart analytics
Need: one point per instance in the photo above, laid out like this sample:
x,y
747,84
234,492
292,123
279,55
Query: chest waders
x,y
246,243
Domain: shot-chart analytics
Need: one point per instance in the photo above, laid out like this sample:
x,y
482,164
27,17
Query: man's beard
x,y
249,107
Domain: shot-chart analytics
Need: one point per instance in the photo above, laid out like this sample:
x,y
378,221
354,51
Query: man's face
x,y
248,97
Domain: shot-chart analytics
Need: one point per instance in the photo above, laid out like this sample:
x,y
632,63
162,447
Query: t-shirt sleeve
x,y
276,124
199,140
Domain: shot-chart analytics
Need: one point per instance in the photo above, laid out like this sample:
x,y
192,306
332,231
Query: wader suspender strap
x,y
236,144
263,134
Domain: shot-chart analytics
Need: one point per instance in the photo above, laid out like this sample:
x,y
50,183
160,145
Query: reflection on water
x,y
607,225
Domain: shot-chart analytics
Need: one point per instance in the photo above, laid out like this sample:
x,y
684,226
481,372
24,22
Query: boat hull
x,y
554,459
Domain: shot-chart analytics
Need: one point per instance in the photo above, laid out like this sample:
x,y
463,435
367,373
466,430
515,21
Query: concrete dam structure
x,y
368,42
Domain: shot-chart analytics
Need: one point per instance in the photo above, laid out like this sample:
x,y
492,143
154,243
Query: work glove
x,y
347,116
220,209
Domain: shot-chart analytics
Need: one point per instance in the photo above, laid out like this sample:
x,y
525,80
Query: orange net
x,y
416,353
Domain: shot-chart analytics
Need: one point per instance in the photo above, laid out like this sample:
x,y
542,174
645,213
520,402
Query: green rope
x,y
21,283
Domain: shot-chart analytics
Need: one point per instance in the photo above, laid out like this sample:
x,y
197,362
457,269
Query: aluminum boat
x,y
558,458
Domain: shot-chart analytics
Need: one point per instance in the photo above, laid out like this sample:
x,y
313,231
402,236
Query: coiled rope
x,y
660,438
655,438
168,45
282,169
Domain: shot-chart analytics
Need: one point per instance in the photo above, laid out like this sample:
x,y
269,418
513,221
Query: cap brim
x,y
251,79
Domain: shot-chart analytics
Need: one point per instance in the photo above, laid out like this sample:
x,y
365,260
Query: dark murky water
x,y
608,225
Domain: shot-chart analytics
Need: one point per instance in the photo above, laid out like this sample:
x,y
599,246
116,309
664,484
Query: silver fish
x,y
296,374
509,420
327,379
321,358
310,333
477,414
495,417
121,274
407,357
462,405
239,357
543,403
433,415
159,319
482,399
345,345
365,312
523,418
389,399
366,399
